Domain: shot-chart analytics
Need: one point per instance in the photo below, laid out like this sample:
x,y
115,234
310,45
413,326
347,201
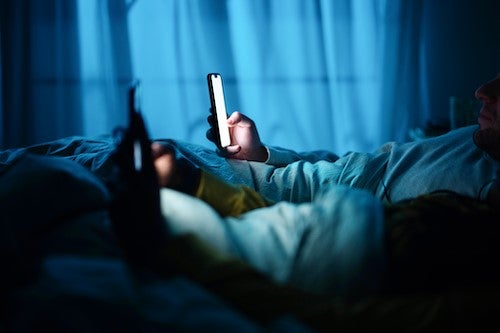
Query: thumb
x,y
233,149
237,118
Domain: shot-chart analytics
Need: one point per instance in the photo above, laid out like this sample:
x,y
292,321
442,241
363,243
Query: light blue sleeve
x,y
302,180
281,156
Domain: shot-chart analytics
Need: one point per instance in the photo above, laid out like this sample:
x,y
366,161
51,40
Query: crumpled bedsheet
x,y
334,244
64,271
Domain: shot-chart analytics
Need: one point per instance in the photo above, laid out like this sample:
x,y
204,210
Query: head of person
x,y
487,137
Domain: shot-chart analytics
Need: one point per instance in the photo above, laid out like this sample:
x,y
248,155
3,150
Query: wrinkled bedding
x,y
63,267
65,270
344,227
53,201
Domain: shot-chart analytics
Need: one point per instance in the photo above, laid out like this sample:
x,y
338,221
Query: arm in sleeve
x,y
278,156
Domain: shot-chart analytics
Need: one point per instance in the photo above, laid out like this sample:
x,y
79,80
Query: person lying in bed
x,y
433,244
464,161
406,171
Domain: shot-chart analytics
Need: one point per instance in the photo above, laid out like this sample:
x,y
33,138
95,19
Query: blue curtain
x,y
64,68
106,69
317,74
312,74
40,62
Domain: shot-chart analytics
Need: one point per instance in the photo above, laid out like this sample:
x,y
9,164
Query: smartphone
x,y
218,104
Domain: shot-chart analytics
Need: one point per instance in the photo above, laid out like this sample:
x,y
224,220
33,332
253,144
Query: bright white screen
x,y
220,107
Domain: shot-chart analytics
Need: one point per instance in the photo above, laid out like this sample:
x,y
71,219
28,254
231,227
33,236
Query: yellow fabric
x,y
227,199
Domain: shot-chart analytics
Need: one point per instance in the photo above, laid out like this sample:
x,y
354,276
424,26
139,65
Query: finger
x,y
233,149
211,120
210,135
158,149
234,118
238,119
165,166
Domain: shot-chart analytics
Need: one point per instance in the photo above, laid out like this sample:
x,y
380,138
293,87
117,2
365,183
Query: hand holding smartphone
x,y
218,107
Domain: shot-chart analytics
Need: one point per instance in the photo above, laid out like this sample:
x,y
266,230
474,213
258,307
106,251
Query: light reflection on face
x,y
488,136
489,95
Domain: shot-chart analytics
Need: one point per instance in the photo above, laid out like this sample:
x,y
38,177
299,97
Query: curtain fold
x,y
106,68
326,70
319,74
282,83
402,101
175,44
312,74
15,101
3,136
50,80
40,61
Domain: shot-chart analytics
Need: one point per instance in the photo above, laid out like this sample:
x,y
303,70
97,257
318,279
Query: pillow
x,y
36,190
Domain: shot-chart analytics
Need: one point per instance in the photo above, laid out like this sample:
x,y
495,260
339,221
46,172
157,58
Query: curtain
x,y
328,60
174,44
460,48
313,74
106,70
1,91
39,64
317,74
60,73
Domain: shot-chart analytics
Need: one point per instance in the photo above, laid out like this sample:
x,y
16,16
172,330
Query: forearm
x,y
278,156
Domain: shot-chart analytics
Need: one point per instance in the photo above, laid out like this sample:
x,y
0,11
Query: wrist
x,y
262,154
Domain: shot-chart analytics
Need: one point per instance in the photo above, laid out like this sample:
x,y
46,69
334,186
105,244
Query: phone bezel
x,y
218,107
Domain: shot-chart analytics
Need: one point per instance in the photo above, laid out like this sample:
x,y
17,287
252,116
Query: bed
x,y
65,271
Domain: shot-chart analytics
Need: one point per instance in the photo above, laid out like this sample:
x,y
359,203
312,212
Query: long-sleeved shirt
x,y
394,172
